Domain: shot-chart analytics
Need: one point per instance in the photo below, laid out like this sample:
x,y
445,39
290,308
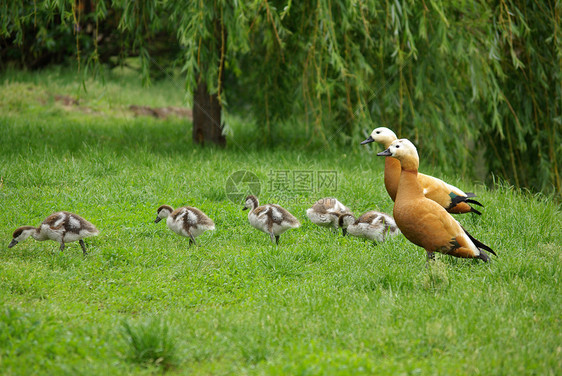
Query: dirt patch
x,y
66,100
136,110
161,112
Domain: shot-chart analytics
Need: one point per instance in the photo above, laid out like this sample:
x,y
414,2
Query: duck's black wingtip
x,y
472,210
469,201
479,244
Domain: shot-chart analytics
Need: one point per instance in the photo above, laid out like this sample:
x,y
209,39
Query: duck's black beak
x,y
344,231
244,208
158,219
385,153
368,141
12,243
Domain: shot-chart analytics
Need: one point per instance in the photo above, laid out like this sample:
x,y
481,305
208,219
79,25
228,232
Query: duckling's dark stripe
x,y
254,199
165,207
22,229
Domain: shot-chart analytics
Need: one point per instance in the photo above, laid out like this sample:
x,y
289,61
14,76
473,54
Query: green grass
x,y
142,302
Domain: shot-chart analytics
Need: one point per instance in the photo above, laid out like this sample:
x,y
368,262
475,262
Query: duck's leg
x,y
430,257
191,240
277,239
83,247
62,242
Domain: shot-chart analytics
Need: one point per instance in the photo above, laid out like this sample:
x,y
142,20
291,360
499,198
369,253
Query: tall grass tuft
x,y
150,343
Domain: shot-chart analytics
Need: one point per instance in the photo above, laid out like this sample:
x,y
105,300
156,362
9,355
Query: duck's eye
x,y
397,146
378,132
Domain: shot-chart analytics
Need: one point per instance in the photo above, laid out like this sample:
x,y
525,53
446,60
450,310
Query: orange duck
x,y
423,221
450,197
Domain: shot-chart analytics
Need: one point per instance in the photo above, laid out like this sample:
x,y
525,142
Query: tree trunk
x,y
207,108
206,116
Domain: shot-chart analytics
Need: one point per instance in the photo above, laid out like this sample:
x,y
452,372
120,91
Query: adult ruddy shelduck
x,y
326,212
185,221
450,197
423,221
63,227
270,218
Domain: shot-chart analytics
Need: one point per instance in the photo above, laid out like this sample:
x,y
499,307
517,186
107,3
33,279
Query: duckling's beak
x,y
344,231
12,243
368,141
158,219
385,153
244,208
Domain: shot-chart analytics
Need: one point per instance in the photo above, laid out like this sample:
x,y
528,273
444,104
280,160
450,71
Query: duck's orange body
x,y
449,197
423,221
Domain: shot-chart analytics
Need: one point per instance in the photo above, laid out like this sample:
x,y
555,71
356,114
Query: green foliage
x,y
317,304
478,78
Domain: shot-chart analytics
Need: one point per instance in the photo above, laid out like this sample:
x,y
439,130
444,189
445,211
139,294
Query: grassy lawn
x,y
143,302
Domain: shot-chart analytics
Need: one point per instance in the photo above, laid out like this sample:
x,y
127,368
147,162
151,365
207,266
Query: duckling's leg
x,y
83,247
277,239
62,246
191,240
272,237
375,243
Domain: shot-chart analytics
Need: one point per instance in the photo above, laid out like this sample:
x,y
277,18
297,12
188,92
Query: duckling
x,y
372,225
271,219
63,227
423,221
326,211
185,221
450,197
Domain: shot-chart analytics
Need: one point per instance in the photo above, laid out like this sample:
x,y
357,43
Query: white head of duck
x,y
405,152
381,135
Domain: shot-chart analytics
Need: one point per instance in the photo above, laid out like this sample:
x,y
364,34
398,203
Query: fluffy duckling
x,y
372,225
450,197
271,219
423,221
62,227
326,212
185,221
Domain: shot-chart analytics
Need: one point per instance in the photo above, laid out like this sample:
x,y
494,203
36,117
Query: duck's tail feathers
x,y
479,244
